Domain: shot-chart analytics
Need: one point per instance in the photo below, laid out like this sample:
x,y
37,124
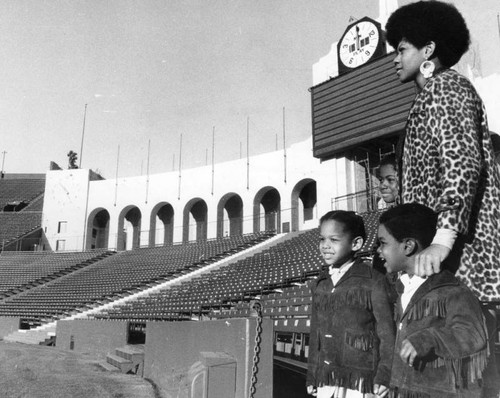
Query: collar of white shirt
x,y
411,284
337,273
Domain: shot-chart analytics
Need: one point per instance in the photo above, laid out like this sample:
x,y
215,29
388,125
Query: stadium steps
x,y
127,359
31,336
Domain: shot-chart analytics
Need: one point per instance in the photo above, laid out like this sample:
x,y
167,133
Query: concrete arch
x,y
197,208
232,204
305,191
164,212
269,198
133,215
97,233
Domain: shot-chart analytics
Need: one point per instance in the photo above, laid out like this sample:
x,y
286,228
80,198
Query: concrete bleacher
x,y
21,204
16,190
193,281
14,225
226,292
20,271
216,292
117,276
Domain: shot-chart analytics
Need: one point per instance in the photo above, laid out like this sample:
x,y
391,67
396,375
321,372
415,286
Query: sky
x,y
143,73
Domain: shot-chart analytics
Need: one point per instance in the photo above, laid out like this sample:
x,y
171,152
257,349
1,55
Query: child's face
x,y
388,180
336,246
391,250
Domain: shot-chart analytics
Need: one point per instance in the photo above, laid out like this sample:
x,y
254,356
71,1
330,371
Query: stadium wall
x,y
73,199
176,351
8,325
97,338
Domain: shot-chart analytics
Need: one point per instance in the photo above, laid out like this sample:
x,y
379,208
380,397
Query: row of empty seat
x,y
20,271
225,292
20,189
119,275
16,225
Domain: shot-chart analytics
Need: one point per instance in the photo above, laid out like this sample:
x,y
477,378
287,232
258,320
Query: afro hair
x,y
425,21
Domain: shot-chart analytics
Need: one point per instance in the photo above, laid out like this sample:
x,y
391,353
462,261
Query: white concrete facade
x,y
73,199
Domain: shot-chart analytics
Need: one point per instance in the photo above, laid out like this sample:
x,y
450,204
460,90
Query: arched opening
x,y
268,202
230,215
129,228
97,234
161,225
304,199
195,215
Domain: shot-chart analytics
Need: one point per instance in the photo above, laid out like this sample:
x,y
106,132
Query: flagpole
x,y
284,143
248,153
116,179
147,172
3,163
213,161
83,135
180,166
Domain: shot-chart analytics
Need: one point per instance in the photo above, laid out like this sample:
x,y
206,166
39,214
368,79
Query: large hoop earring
x,y
427,69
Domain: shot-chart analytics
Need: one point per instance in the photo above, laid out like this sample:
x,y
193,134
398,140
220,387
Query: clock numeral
x,y
372,33
367,52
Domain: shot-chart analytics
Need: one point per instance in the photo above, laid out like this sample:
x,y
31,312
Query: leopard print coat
x,y
448,165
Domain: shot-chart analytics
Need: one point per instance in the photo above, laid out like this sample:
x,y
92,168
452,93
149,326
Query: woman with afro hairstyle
x,y
446,155
447,158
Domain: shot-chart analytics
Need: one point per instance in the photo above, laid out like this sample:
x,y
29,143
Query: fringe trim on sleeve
x,y
348,378
355,297
468,369
403,393
363,342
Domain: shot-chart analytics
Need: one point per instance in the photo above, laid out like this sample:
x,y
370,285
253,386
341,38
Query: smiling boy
x,y
352,330
441,343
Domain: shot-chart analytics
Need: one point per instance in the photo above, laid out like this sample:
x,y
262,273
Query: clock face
x,y
359,44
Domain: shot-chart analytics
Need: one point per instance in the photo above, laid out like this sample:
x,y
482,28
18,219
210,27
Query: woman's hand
x,y
311,390
429,260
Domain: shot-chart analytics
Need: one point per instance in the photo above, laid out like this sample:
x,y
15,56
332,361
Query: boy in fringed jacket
x,y
352,328
441,344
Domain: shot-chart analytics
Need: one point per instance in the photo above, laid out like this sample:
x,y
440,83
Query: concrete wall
x,y
65,202
174,348
70,197
8,325
97,338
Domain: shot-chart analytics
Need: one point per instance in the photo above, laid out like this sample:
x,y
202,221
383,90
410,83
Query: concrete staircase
x,y
31,336
127,359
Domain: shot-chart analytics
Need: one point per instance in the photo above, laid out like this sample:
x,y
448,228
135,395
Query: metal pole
x,y
248,154
116,183
284,143
213,157
147,172
86,213
180,166
83,135
3,162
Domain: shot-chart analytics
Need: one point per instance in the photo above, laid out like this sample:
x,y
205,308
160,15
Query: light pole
x,y
3,162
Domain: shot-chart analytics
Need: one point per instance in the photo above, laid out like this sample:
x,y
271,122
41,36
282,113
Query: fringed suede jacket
x,y
352,330
445,325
